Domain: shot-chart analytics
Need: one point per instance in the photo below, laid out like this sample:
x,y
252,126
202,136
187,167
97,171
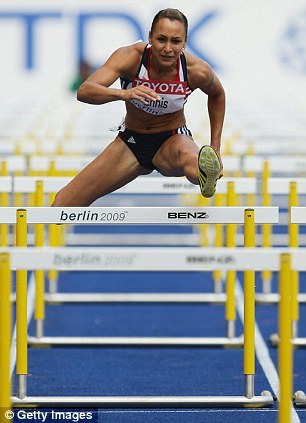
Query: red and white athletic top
x,y
173,94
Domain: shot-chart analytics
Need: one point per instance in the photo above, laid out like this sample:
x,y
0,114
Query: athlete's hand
x,y
141,93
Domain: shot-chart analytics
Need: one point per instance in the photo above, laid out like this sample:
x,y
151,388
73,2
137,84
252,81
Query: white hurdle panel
x,y
141,185
268,147
15,163
298,215
139,215
163,259
6,184
277,164
40,163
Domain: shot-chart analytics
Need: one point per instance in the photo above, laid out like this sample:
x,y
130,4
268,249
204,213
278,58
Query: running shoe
x,y
208,171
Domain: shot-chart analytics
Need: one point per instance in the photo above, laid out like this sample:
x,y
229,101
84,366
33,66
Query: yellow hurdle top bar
x,y
139,215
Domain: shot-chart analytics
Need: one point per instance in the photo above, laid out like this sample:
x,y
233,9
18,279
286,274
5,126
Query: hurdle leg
x,y
53,234
285,356
204,229
266,228
4,202
295,303
230,309
21,310
5,338
4,228
251,198
217,274
39,313
249,309
293,232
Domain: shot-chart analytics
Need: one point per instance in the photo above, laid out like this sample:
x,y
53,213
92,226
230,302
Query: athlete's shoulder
x,y
199,72
135,49
127,59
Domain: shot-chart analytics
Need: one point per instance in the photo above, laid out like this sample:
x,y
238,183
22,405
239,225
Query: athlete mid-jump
x,y
156,81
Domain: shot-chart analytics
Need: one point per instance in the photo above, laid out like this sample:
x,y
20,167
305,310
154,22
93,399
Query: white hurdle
x,y
143,185
238,259
292,165
298,216
6,184
234,258
40,163
268,147
142,215
138,215
292,188
16,163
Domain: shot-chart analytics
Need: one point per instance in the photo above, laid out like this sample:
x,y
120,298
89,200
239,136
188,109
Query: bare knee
x,y
67,197
60,199
188,161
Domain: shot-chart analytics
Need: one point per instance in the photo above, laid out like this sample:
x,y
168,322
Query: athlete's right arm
x,y
96,89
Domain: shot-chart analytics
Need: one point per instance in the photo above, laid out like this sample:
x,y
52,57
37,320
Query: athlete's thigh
x,y
175,154
113,168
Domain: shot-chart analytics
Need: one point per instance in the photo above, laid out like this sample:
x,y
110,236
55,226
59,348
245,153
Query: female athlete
x,y
156,80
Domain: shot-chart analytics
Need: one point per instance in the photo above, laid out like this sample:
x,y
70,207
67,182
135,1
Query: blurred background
x,y
258,49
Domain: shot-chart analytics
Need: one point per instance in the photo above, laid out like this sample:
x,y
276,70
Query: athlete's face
x,y
168,39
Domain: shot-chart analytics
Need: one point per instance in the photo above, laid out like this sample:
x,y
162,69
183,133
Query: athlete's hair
x,y
172,14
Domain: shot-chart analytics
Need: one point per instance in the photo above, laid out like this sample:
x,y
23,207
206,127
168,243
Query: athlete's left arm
x,y
201,75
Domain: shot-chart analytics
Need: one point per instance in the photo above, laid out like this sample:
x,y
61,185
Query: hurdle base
x,y
236,342
57,298
265,399
296,342
299,399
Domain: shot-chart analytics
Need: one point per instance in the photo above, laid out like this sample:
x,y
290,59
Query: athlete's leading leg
x,y
112,169
180,156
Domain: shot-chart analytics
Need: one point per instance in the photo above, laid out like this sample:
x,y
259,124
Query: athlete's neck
x,y
162,73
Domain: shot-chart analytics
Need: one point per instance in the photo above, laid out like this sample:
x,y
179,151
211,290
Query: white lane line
x,y
262,352
30,312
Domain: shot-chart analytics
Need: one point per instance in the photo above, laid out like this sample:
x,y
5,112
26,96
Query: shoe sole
x,y
209,170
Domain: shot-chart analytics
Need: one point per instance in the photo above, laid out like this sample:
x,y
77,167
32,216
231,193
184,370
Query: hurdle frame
x,y
283,259
37,215
160,215
293,187
37,258
156,186
298,216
